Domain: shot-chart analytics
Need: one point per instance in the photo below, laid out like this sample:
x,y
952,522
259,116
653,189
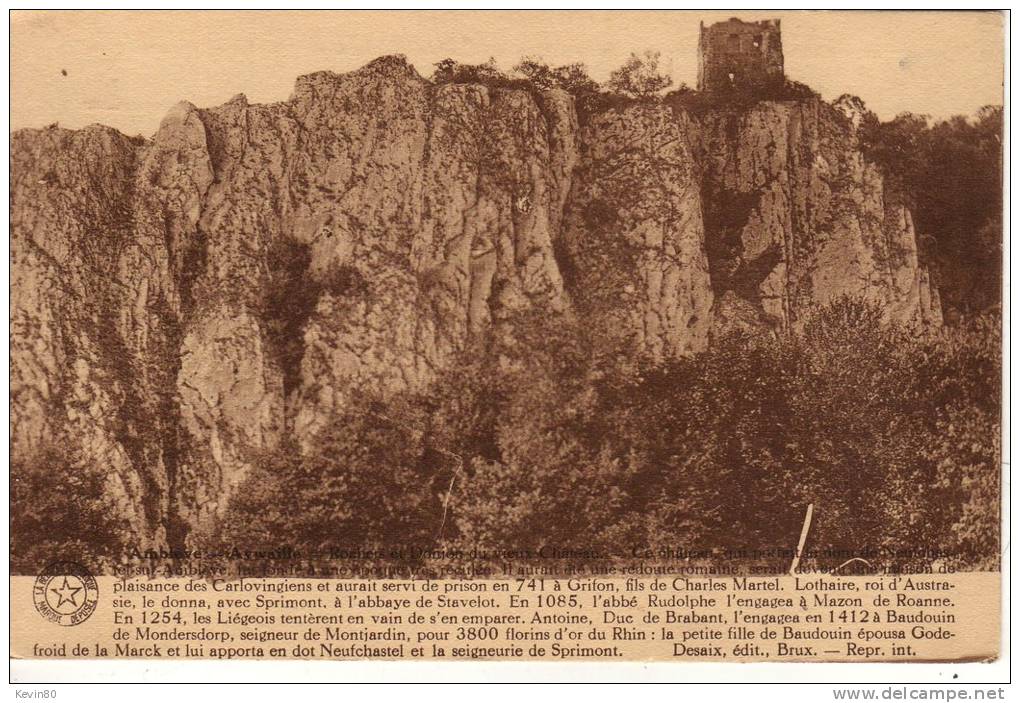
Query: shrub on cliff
x,y
487,74
536,77
739,98
290,298
572,78
343,281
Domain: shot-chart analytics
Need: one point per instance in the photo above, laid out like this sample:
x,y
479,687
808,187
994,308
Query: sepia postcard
x,y
570,336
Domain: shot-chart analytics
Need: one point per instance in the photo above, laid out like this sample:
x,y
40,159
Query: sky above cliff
x,y
127,69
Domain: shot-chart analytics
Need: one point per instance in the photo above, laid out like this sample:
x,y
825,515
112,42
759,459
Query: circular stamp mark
x,y
65,593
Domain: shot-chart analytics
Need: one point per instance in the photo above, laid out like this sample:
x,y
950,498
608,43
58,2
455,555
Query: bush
x,y
743,97
864,420
572,78
555,481
959,380
344,281
450,71
60,510
487,74
366,481
637,79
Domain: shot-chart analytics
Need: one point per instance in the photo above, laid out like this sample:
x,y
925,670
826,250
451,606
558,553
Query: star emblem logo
x,y
67,593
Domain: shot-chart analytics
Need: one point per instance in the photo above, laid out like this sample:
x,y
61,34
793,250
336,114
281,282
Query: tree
x,y
639,77
572,78
450,71
366,480
554,479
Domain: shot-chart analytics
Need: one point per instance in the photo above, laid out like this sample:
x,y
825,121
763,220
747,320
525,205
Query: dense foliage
x,y
950,171
739,98
61,510
892,437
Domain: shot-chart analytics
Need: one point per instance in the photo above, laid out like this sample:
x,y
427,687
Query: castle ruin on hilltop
x,y
737,54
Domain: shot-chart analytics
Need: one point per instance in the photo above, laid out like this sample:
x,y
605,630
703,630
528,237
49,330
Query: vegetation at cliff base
x,y
61,510
893,437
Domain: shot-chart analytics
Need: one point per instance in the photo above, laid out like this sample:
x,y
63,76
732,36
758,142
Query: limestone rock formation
x,y
182,304
636,236
91,298
795,218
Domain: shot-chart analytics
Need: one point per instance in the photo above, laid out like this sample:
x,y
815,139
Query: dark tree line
x,y
950,171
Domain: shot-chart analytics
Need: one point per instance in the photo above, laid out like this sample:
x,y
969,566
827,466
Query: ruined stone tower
x,y
736,54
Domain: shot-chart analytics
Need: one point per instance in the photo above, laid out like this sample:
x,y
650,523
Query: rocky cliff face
x,y
181,304
795,217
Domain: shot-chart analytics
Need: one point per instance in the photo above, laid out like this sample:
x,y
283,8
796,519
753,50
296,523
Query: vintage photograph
x,y
503,294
